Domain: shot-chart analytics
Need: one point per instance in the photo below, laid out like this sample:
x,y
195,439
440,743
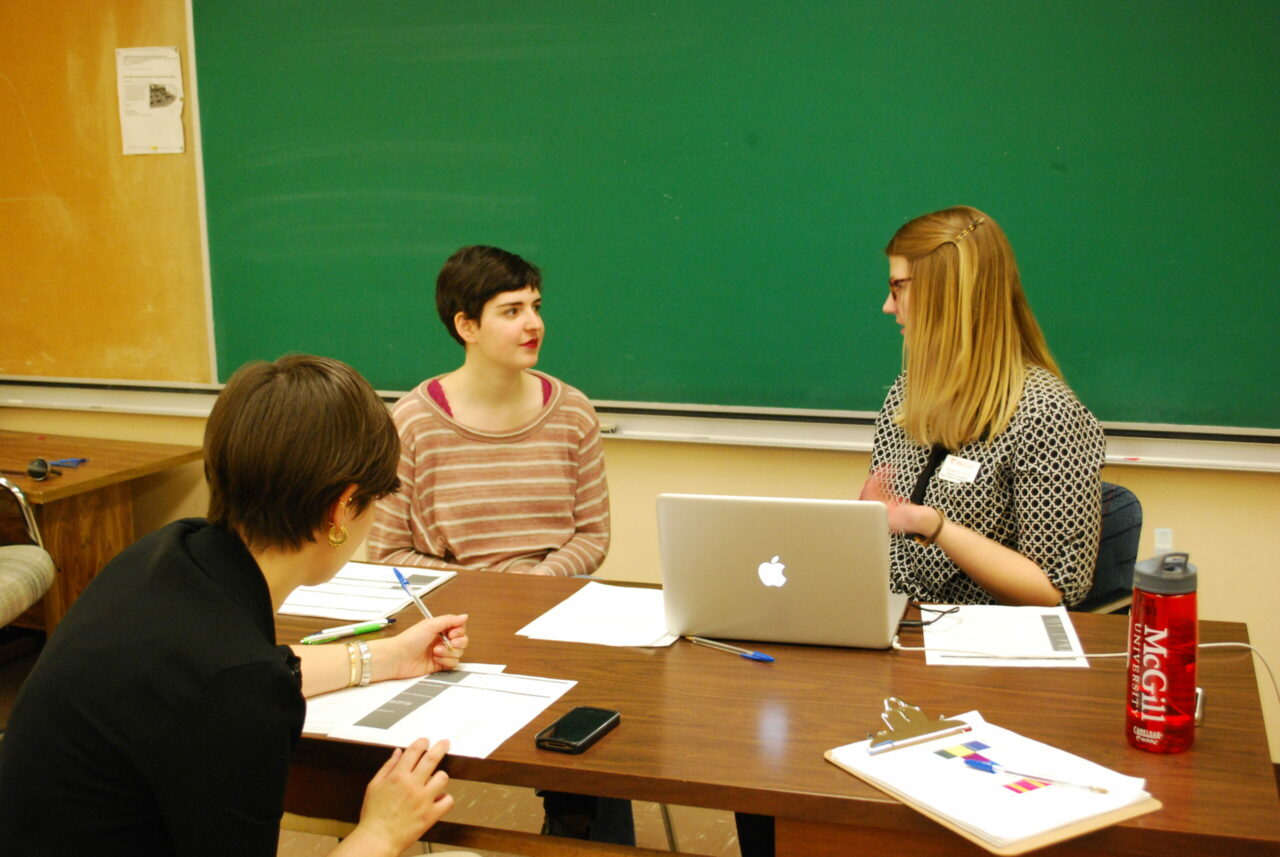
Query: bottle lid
x,y
1165,574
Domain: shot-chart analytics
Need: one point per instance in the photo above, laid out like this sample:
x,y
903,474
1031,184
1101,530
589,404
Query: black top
x,y
161,716
1037,490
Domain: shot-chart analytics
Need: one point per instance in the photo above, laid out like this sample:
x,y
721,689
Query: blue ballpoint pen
x,y
404,584
69,462
725,647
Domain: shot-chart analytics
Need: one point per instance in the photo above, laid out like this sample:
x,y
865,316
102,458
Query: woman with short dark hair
x,y
503,465
161,716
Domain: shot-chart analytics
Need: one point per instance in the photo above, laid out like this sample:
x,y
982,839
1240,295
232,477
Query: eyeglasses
x,y
897,285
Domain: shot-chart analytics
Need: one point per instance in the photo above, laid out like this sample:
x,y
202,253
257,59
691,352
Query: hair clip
x,y
972,226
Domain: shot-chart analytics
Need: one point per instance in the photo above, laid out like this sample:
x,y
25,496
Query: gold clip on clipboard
x,y
905,724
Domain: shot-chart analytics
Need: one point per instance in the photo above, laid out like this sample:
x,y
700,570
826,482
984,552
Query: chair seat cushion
x,y
26,573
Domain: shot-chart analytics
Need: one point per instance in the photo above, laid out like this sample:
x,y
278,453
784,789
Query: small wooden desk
x,y
86,514
705,728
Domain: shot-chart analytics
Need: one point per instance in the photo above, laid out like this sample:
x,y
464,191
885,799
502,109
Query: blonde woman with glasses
x,y
987,461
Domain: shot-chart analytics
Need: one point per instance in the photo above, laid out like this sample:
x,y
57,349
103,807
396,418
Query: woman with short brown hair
x,y
161,716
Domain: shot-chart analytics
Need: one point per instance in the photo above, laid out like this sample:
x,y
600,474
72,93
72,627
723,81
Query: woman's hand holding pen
x,y
418,650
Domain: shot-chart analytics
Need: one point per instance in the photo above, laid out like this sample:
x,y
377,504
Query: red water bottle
x,y
1163,635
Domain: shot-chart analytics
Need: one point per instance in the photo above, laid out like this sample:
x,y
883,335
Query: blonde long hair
x,y
971,335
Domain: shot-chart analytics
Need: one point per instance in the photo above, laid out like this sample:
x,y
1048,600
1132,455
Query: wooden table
x,y
704,728
86,514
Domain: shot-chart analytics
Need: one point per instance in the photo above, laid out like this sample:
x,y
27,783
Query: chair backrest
x,y
26,571
1112,588
24,508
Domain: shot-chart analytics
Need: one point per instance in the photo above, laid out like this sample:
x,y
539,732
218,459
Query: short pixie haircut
x,y
471,278
285,439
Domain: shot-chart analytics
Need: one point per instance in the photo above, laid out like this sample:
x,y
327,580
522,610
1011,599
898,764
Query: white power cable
x,y
901,648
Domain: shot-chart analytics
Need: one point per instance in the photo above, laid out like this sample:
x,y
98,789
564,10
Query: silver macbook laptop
x,y
777,570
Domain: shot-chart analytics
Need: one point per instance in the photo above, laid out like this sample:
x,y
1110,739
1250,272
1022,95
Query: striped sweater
x,y
531,499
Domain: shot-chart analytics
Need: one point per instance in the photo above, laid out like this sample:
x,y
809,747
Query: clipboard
x,y
907,725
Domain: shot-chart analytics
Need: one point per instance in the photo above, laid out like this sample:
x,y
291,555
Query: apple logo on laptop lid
x,y
771,572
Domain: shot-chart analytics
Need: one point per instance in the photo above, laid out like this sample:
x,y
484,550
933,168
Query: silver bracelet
x,y
366,662
353,664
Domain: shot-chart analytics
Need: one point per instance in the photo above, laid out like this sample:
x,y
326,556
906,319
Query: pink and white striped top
x,y
533,498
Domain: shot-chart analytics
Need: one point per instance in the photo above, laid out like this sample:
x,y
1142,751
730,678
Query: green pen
x,y
328,635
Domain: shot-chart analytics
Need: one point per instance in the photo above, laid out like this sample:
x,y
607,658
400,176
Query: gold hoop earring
x,y
337,536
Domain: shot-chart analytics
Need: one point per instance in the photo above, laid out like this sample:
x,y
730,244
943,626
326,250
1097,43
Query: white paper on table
x,y
1000,808
476,711
361,592
334,710
607,616
1022,635
481,668
149,90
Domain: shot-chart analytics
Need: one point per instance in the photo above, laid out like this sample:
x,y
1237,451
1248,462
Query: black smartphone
x,y
577,730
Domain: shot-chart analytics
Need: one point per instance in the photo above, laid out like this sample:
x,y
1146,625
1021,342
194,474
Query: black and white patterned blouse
x,y
1037,491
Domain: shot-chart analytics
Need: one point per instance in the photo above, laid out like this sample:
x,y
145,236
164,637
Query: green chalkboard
x,y
708,184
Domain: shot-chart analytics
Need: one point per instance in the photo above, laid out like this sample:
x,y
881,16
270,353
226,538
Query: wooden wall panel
x,y
100,263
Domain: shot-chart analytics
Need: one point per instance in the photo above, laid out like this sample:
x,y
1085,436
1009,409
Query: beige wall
x,y
1226,520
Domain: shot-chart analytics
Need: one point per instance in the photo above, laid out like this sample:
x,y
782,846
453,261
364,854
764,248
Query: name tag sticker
x,y
957,469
